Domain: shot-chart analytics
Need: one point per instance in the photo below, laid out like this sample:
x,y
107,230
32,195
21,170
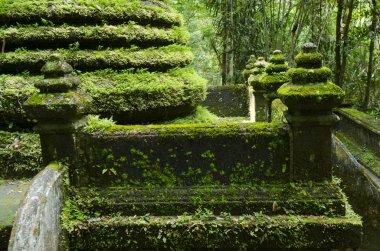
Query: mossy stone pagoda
x,y
258,92
129,56
249,67
275,76
223,186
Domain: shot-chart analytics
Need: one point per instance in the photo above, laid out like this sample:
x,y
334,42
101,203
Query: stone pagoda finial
x,y
57,109
275,77
310,98
258,100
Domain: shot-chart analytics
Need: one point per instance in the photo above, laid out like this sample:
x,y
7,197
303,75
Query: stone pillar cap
x,y
56,67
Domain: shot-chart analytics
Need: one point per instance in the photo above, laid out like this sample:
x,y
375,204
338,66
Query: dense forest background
x,y
224,33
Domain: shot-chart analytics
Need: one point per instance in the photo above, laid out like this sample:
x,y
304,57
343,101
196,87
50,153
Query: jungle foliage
x,y
227,32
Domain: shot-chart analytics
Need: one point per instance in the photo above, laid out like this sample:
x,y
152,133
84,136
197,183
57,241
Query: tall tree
x,y
373,35
343,21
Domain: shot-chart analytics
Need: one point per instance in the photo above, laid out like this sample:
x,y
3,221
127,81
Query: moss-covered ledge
x,y
362,128
88,12
153,59
125,35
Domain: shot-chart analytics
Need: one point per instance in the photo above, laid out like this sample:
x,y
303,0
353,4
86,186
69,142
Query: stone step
x,y
270,199
204,231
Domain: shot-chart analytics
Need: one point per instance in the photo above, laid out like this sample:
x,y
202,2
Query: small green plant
x,y
95,123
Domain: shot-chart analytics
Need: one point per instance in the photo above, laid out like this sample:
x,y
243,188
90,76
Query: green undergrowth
x,y
365,156
88,11
278,111
20,155
159,59
201,115
125,35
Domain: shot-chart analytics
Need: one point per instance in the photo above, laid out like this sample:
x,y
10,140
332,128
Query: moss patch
x,y
303,75
309,60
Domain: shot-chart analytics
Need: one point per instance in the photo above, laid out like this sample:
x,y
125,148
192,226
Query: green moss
x,y
88,11
303,75
276,68
271,82
195,129
159,59
20,155
95,123
201,115
309,60
144,96
314,89
277,59
91,36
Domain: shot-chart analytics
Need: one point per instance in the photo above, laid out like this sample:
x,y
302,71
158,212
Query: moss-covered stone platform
x,y
11,194
268,217
130,55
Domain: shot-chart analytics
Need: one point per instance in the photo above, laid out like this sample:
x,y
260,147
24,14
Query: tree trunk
x,y
370,60
338,41
345,42
228,43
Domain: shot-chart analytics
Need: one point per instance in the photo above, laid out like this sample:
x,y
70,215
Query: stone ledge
x,y
207,231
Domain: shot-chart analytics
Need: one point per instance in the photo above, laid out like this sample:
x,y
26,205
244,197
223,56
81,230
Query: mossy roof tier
x,y
143,37
154,59
153,12
124,95
125,35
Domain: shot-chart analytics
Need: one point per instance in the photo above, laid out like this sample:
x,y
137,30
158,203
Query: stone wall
x,y
361,127
228,101
177,155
